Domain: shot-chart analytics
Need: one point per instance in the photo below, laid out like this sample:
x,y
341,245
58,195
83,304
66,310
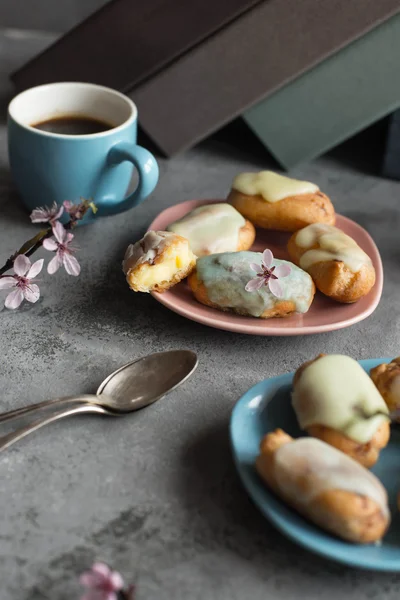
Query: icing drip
x,y
226,275
145,250
333,245
307,467
271,186
210,229
327,392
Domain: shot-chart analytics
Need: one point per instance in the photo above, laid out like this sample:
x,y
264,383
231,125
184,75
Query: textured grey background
x,y
156,494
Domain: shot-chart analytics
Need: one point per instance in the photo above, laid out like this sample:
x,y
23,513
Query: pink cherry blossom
x,y
268,275
75,211
64,251
44,214
25,272
101,583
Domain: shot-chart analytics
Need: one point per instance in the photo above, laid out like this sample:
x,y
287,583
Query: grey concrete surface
x,y
156,494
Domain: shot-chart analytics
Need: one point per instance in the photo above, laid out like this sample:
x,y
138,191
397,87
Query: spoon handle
x,y
7,440
27,410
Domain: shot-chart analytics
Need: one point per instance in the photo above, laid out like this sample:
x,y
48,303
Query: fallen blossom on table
x,y
102,583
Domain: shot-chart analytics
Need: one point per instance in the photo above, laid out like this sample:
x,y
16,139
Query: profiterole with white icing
x,y
387,380
338,266
215,228
272,201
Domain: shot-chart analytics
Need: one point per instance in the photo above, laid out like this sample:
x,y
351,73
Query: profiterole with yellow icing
x,y
272,201
158,261
215,228
332,396
325,486
338,266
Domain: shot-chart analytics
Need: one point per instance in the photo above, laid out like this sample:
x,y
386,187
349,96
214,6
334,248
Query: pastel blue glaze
x,y
48,168
267,406
225,276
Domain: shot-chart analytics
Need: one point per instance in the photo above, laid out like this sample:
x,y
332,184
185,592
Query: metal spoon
x,y
129,388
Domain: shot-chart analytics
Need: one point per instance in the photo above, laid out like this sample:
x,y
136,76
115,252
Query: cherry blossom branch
x,y
24,271
32,245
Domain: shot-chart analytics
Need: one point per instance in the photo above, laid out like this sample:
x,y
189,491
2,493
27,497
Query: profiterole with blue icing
x,y
219,281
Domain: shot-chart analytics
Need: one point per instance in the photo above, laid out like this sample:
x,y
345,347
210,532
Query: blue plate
x,y
267,406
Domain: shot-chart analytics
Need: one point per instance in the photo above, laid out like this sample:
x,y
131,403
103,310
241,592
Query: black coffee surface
x,y
73,125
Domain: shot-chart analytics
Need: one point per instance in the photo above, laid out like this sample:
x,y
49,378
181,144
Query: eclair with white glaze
x,y
325,486
337,264
336,401
272,201
158,261
215,228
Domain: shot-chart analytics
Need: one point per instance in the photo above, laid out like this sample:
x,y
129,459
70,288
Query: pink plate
x,y
324,314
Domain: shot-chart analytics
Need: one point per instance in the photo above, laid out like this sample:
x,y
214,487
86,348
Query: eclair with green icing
x,y
272,201
337,264
332,398
252,284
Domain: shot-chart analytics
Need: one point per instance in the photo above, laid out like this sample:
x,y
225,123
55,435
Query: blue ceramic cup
x,y
51,167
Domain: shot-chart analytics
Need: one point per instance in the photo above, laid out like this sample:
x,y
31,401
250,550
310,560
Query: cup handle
x,y
147,168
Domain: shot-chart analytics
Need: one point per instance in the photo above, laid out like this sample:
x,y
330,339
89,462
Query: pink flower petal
x,y
54,264
254,284
14,299
69,238
256,268
21,264
111,596
7,282
31,292
71,264
91,579
50,245
275,288
268,257
282,270
39,215
57,211
68,205
101,569
35,269
59,232
116,581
